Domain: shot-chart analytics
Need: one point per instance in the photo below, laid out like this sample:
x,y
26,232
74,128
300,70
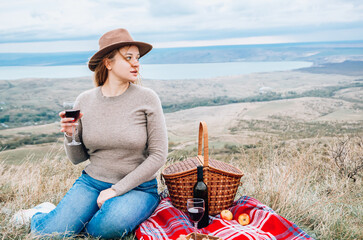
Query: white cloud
x,y
64,18
165,9
173,20
251,14
50,46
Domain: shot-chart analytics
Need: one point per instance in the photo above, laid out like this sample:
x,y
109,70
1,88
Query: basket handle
x,y
203,133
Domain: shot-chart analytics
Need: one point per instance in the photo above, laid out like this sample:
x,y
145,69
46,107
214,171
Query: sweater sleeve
x,y
157,141
78,153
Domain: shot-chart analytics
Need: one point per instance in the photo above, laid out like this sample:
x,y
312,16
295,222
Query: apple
x,y
226,215
244,219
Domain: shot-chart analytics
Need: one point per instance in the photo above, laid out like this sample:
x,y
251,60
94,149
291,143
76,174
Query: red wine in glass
x,y
196,213
73,114
195,207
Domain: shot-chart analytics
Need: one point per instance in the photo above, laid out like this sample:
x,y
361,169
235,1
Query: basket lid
x,y
224,167
191,164
182,166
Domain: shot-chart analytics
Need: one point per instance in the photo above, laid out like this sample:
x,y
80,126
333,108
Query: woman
x,y
123,134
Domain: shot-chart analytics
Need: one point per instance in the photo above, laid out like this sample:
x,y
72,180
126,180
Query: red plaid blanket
x,y
167,222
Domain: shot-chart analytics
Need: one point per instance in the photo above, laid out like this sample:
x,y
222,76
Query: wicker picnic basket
x,y
221,178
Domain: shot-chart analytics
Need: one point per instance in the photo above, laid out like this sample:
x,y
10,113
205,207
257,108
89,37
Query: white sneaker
x,y
24,216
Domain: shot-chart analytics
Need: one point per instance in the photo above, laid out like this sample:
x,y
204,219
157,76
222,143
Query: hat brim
x,y
97,57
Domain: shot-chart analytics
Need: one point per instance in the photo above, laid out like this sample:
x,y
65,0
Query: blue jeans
x,y
78,211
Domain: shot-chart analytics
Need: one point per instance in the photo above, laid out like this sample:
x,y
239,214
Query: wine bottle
x,y
200,190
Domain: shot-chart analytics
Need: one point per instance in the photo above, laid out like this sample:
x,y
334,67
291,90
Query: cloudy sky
x,y
68,25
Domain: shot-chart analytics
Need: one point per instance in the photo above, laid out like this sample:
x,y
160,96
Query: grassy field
x,y
289,160
32,152
299,179
301,156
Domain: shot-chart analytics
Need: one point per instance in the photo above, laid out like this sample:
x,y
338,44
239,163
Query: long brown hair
x,y
101,71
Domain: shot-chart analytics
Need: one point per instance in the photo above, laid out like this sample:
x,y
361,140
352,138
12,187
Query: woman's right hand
x,y
67,123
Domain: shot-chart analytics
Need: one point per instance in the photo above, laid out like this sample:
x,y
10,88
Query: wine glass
x,y
70,112
195,207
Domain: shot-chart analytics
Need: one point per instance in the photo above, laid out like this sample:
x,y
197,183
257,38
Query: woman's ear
x,y
107,64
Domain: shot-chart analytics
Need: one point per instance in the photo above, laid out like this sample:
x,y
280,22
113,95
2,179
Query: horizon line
x,y
4,47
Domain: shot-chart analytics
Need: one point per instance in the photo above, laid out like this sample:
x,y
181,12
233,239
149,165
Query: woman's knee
x,y
111,221
119,216
45,225
108,227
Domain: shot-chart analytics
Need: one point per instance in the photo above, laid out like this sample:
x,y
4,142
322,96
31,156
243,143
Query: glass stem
x,y
196,226
73,137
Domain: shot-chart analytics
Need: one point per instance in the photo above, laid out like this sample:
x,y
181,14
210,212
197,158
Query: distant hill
x,y
26,102
313,52
350,68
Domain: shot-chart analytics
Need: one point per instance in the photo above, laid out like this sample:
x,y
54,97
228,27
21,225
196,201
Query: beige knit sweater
x,y
124,137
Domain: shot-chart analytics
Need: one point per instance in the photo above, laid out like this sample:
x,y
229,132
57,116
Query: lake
x,y
156,71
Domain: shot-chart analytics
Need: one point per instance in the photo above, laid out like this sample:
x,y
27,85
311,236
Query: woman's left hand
x,y
105,195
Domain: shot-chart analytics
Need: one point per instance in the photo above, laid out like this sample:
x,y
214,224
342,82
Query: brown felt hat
x,y
116,39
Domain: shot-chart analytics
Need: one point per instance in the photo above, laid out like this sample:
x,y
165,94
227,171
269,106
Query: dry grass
x,y
301,182
297,178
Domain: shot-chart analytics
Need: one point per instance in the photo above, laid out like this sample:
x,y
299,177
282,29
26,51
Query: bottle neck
x,y
200,173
